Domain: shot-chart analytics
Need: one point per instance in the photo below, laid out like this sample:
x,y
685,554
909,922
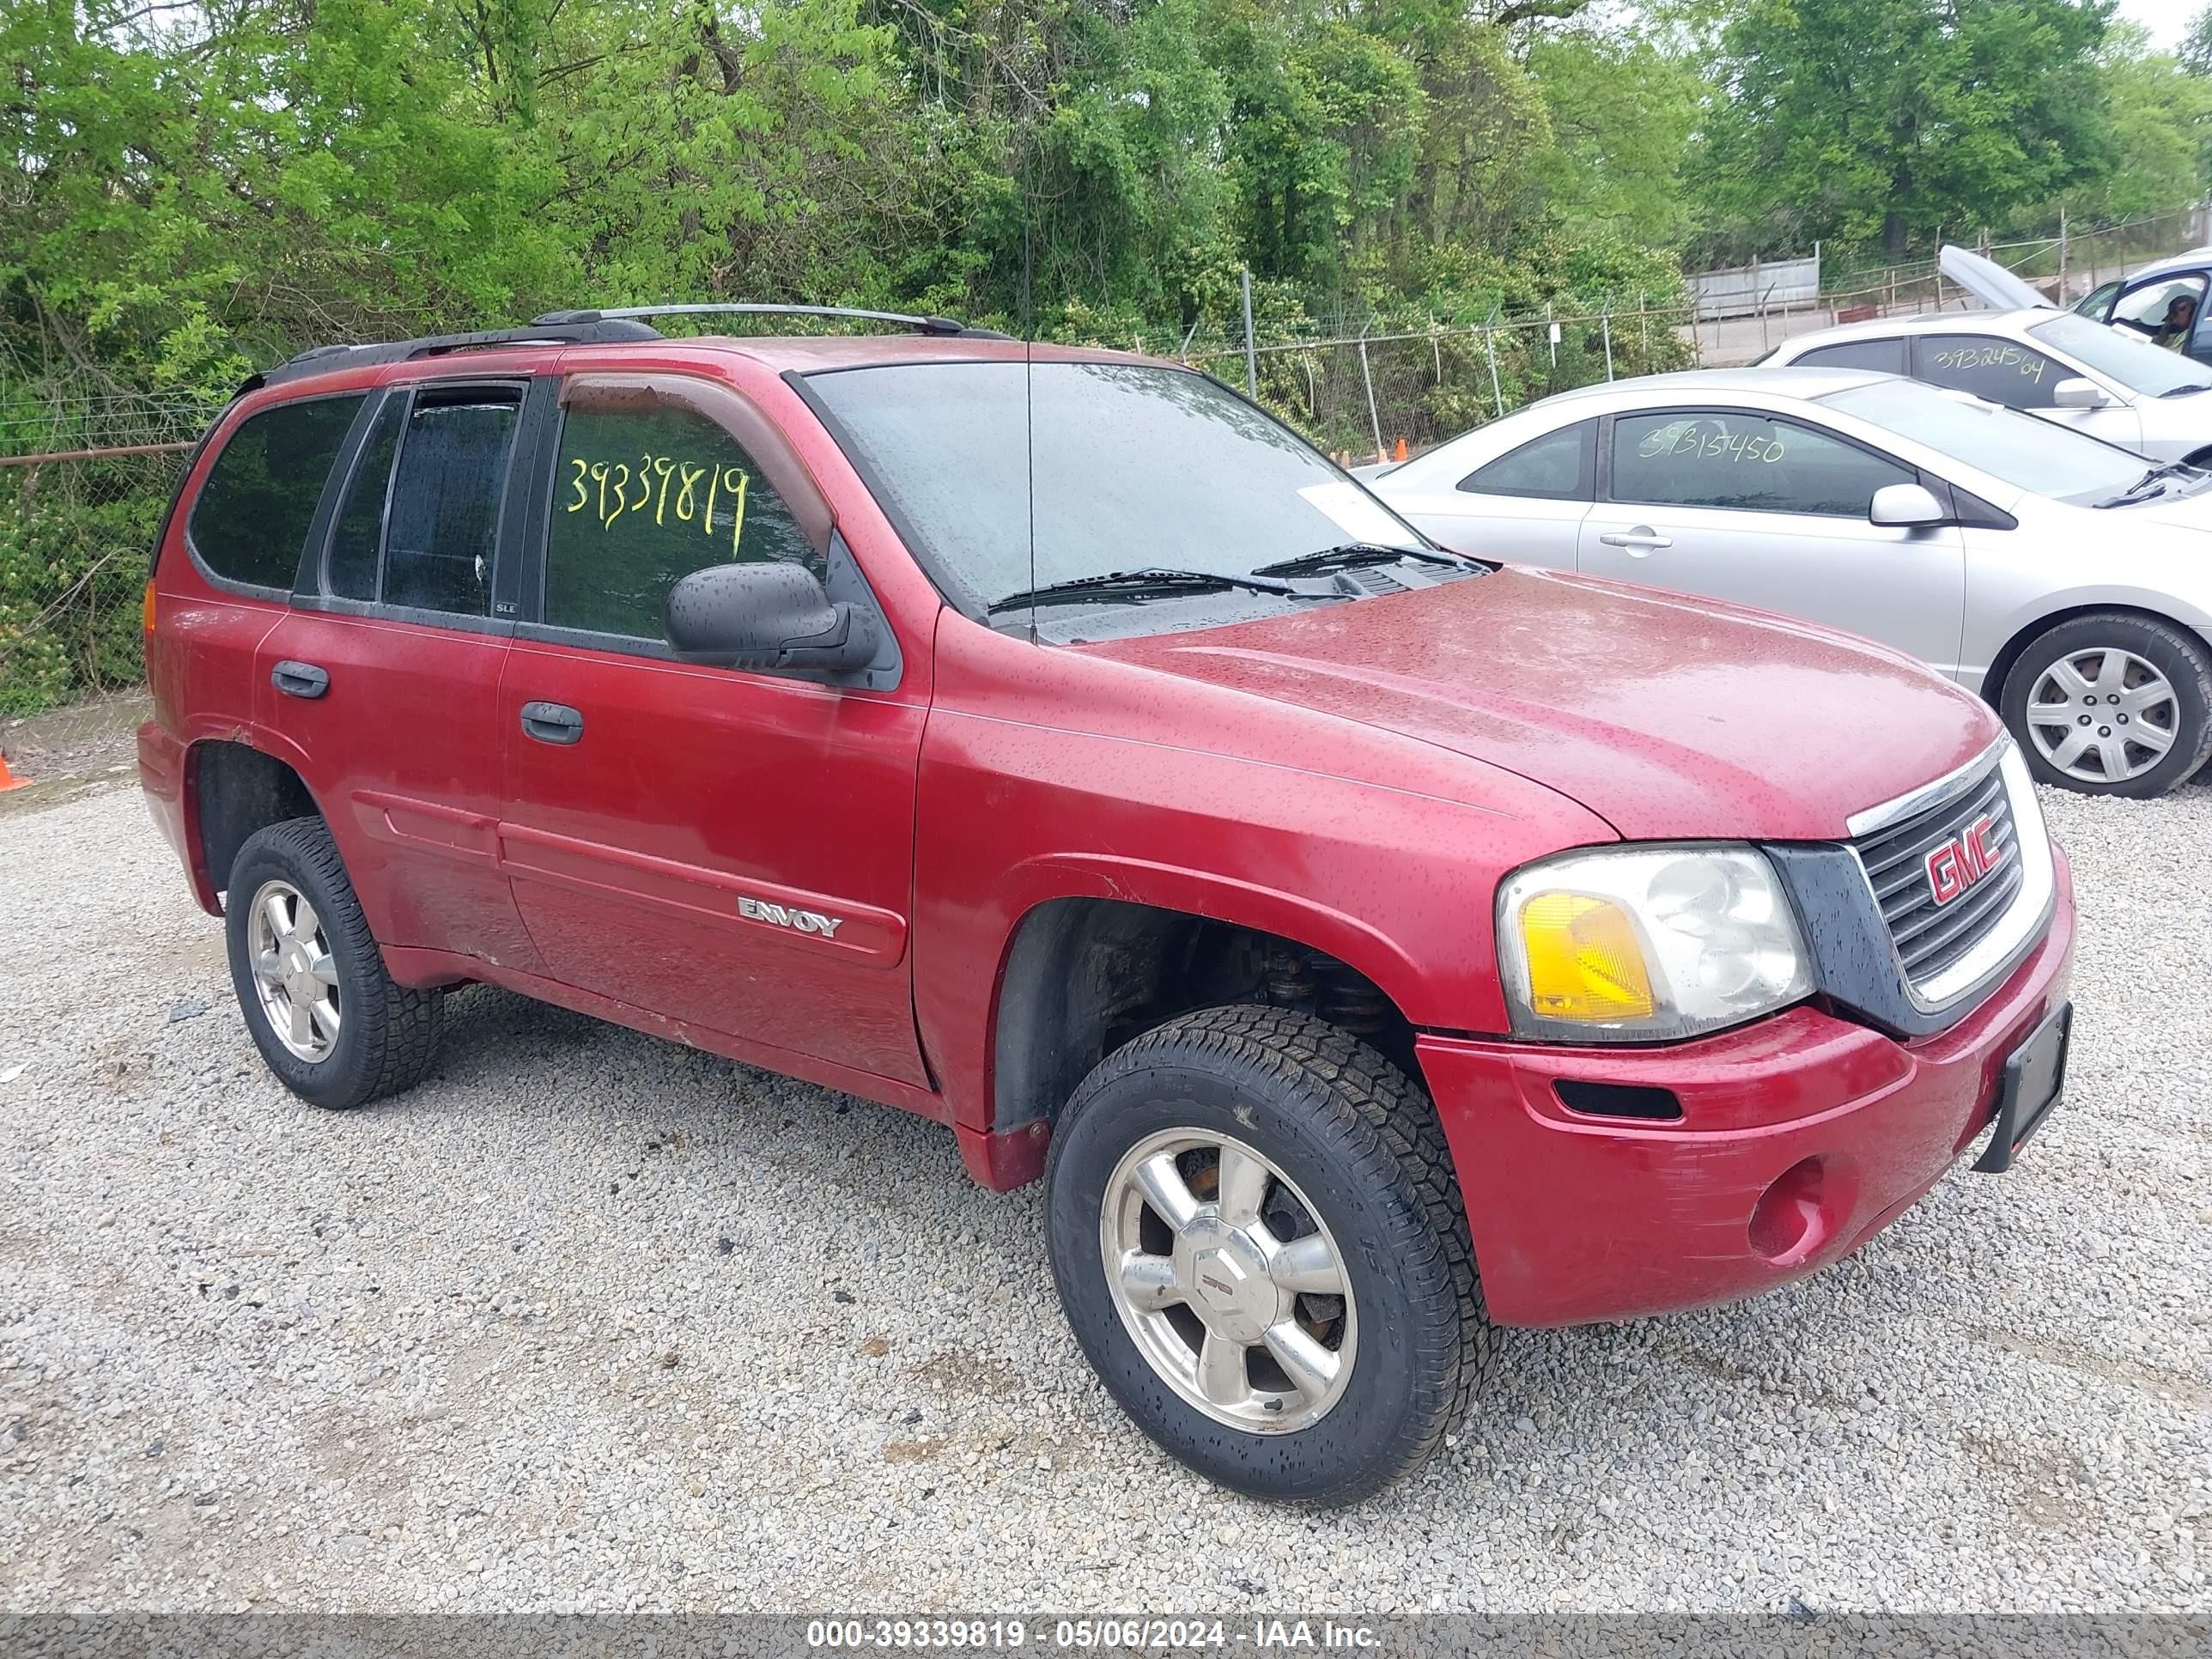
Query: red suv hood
x,y
1671,718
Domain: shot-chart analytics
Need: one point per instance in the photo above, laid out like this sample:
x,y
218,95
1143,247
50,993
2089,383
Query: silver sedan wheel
x,y
2103,715
293,974
1229,1281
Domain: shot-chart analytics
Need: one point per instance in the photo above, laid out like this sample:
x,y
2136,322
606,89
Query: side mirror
x,y
764,616
2079,393
1907,506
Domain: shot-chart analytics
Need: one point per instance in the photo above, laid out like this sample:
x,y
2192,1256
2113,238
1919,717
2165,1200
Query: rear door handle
x,y
552,722
299,679
1641,541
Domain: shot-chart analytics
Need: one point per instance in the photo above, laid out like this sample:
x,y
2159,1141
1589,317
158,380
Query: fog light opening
x,y
1793,1217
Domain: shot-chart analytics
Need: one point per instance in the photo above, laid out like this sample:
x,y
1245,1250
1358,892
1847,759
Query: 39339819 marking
x,y
866,1633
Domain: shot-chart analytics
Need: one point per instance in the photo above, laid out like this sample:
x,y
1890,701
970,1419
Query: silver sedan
x,y
2063,578
2113,383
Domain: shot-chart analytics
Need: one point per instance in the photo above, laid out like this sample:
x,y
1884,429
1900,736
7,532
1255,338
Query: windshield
x,y
1136,467
2134,363
2026,451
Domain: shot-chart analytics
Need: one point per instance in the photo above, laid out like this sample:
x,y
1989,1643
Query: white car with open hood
x,y
2129,384
2064,578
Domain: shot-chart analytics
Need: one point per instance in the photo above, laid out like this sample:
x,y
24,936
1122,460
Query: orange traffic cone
x,y
1401,449
7,780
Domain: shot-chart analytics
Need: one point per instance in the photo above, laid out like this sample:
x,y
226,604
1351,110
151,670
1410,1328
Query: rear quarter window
x,y
1886,355
250,521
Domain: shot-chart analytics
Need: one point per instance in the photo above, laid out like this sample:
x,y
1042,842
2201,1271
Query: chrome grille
x,y
1930,937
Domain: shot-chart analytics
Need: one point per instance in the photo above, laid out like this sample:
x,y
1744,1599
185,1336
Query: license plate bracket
x,y
2032,1082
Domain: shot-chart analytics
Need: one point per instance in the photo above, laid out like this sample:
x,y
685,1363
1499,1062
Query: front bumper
x,y
1578,1217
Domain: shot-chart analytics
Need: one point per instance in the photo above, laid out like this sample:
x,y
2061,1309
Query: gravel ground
x,y
592,1321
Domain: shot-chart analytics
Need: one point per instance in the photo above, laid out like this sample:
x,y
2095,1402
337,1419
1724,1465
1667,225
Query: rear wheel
x,y
326,1015
1259,1241
2112,704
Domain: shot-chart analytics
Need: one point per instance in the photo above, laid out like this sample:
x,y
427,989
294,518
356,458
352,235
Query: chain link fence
x,y
84,474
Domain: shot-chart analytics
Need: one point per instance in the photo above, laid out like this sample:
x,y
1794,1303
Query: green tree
x,y
1852,119
2158,131
2197,44
1623,105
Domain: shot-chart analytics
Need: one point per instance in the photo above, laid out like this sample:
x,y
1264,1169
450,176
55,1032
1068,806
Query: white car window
x,y
2098,301
2003,371
1554,467
1736,459
2027,453
1885,354
2134,363
2163,311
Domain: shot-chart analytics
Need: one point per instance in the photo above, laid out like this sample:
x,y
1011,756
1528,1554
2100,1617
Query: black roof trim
x,y
317,360
949,327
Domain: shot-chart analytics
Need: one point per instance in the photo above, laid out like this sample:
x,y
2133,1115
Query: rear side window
x,y
252,517
1888,356
419,524
1554,467
2002,371
646,492
443,523
357,543
1738,459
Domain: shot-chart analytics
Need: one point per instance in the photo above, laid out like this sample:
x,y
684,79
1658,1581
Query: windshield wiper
x,y
1347,555
2187,390
2140,490
1146,582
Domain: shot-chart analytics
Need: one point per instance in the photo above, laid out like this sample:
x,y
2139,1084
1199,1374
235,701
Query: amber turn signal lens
x,y
146,610
1584,962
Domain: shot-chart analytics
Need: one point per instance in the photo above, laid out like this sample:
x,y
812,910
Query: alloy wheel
x,y
293,974
2103,715
1229,1281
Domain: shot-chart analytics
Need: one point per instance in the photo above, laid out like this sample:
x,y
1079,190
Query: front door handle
x,y
1641,541
552,722
299,679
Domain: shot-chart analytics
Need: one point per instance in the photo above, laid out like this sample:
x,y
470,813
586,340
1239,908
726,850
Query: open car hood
x,y
1988,281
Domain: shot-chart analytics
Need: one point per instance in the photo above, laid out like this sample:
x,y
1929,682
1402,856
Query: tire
x,y
386,1036
1355,1151
2185,722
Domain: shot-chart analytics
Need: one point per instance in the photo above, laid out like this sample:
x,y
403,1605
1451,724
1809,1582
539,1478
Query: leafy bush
x,y
73,543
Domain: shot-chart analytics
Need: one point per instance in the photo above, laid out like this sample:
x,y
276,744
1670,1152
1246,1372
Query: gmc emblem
x,y
1957,865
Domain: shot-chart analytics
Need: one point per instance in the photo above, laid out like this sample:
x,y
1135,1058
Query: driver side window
x,y
1752,463
2002,371
646,491
2166,312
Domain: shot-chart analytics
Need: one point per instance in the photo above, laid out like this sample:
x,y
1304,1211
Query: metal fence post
x,y
1490,350
1374,420
1251,352
1605,326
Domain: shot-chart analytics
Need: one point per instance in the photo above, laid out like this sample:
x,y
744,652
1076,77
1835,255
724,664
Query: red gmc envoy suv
x,y
1368,946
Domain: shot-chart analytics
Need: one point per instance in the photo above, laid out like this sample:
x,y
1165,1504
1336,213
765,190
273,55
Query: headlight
x,y
1639,944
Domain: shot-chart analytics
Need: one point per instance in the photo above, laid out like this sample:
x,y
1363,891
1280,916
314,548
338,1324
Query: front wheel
x,y
2111,703
1259,1242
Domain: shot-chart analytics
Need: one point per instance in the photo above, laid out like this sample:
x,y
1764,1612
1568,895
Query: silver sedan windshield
x,y
2134,363
2026,453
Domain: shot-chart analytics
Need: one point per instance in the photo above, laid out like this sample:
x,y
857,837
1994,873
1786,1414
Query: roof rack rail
x,y
594,331
941,325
